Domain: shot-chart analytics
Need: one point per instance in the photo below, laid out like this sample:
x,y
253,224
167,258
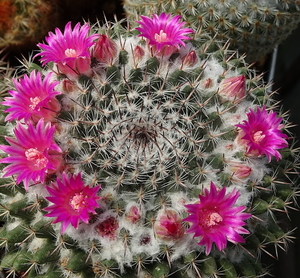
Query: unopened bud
x,y
68,86
241,171
168,225
105,50
138,53
108,228
133,215
208,83
233,88
190,59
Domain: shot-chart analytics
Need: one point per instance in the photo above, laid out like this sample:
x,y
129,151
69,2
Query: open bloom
x,y
32,154
164,33
70,50
73,201
34,98
216,220
262,134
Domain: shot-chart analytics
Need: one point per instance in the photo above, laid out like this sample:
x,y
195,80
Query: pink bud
x,y
108,228
190,59
233,88
68,86
133,215
105,50
241,171
208,83
138,53
168,226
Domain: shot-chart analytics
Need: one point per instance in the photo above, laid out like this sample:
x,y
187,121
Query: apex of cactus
x,y
152,161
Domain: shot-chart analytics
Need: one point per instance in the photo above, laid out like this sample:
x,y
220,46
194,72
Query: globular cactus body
x,y
144,167
252,27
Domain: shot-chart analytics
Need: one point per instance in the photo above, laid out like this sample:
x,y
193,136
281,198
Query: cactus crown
x,y
160,156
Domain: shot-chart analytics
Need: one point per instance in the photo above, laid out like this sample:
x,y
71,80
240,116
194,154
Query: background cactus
x,y
132,138
23,23
252,27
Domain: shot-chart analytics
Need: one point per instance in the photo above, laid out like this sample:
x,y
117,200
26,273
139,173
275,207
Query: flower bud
x,y
233,88
105,50
138,53
108,228
241,171
190,59
133,215
168,226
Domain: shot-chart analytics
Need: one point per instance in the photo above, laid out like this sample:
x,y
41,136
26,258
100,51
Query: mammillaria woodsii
x,y
143,154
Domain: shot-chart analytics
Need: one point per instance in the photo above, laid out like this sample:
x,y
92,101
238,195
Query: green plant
x,y
122,148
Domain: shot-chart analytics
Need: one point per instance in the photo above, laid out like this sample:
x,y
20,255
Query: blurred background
x,y
44,16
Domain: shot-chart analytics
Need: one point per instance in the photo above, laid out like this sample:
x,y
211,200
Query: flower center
x,y
258,136
212,219
34,102
69,52
78,202
161,37
33,154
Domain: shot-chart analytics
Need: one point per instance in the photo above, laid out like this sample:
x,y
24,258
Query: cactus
x,y
23,23
252,27
142,153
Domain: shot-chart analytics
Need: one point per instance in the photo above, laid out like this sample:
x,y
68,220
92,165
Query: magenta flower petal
x,y
34,98
73,201
216,220
164,31
32,154
69,50
262,134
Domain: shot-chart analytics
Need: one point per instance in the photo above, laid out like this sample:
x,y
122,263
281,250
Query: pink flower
x,y
70,50
105,50
164,33
35,98
168,226
33,154
262,133
234,88
72,201
216,220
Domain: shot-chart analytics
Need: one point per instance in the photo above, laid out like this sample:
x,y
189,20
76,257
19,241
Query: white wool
x,y
35,191
36,244
11,225
137,247
185,246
